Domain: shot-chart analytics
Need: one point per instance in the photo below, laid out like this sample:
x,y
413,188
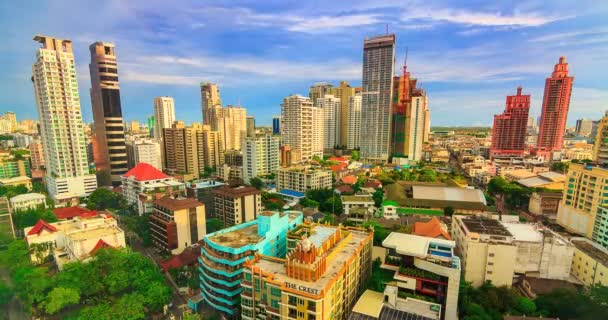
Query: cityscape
x,y
360,197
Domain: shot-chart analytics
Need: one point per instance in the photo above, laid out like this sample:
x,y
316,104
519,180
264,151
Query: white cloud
x,y
568,35
333,23
466,17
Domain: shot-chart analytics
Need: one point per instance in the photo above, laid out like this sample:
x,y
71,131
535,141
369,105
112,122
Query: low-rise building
x,y
229,173
590,262
177,223
144,183
303,178
15,168
425,269
320,278
235,205
544,204
548,180
17,181
203,192
224,252
73,240
358,208
27,201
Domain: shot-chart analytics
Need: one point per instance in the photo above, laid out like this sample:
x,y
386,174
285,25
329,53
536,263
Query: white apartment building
x,y
61,127
417,127
164,115
260,155
143,184
144,150
302,127
331,120
303,178
76,239
27,201
231,123
354,122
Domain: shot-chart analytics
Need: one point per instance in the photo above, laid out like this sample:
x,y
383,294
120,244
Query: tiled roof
x,y
40,226
430,229
187,257
349,179
100,244
71,212
144,172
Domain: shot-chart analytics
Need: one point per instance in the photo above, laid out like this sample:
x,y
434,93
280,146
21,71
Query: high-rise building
x,y
354,122
61,127
260,156
376,106
231,123
581,208
600,147
331,120
210,97
417,125
151,126
276,125
321,276
318,90
554,114
144,150
510,127
302,127
143,184
584,127
213,147
134,127
14,168
250,126
37,154
237,205
343,92
177,223
181,149
9,122
109,152
303,178
164,115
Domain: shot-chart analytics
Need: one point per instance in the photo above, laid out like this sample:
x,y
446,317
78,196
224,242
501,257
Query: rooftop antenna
x,y
405,61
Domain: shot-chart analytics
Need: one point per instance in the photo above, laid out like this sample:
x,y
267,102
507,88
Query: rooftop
x,y
177,204
145,172
413,245
235,192
448,194
238,237
484,226
27,197
431,229
69,212
594,251
206,184
525,232
363,198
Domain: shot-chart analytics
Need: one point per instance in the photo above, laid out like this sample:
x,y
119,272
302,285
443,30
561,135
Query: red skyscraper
x,y
556,101
509,130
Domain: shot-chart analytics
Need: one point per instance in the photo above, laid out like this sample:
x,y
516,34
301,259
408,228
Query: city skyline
x,y
265,53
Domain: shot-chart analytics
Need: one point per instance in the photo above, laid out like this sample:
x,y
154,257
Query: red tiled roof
x,y
349,179
339,159
430,229
373,184
339,166
70,212
100,244
345,189
186,258
144,172
40,226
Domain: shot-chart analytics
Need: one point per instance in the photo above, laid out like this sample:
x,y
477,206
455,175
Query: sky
x,y
468,55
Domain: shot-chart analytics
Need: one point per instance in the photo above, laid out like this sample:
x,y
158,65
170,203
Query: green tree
x,y
308,203
561,167
378,197
380,233
257,183
29,217
11,191
192,316
6,294
354,155
156,296
102,199
526,306
60,298
130,307
214,224
448,211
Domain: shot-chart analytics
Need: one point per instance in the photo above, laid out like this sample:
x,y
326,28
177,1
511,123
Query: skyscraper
x,y
319,90
331,120
419,110
376,106
600,147
164,115
61,127
110,152
556,102
231,123
354,122
302,127
510,127
584,127
210,97
343,92
276,125
250,126
260,156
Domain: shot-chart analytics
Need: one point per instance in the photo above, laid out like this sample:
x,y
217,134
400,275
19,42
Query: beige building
x,y
37,155
319,90
177,223
188,150
344,92
418,126
74,240
231,123
353,126
302,127
486,249
164,115
303,178
331,120
358,208
210,97
228,172
584,193
212,146
600,147
235,205
544,204
260,156
590,262
60,115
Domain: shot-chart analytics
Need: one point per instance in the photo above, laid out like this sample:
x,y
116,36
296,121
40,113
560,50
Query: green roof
x,y
390,203
408,211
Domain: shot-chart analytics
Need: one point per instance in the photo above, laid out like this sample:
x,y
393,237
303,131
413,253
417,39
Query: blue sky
x,y
468,54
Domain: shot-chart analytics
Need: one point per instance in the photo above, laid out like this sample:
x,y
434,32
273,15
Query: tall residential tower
x,y
302,127
376,107
510,127
109,150
61,128
210,97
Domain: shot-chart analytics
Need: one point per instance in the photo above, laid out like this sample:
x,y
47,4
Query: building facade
x,y
210,97
61,127
320,277
510,127
144,184
556,102
144,150
600,147
224,252
590,262
177,223
231,123
260,156
235,205
302,127
332,117
15,168
276,125
343,92
417,125
37,155
303,178
376,105
27,201
584,127
250,126
354,122
203,192
164,115
109,150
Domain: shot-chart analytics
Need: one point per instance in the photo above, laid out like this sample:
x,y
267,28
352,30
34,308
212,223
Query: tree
x,y
11,191
6,294
214,224
156,296
257,183
308,203
130,307
102,199
380,233
29,217
60,298
448,211
559,166
192,316
525,306
354,155
378,197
